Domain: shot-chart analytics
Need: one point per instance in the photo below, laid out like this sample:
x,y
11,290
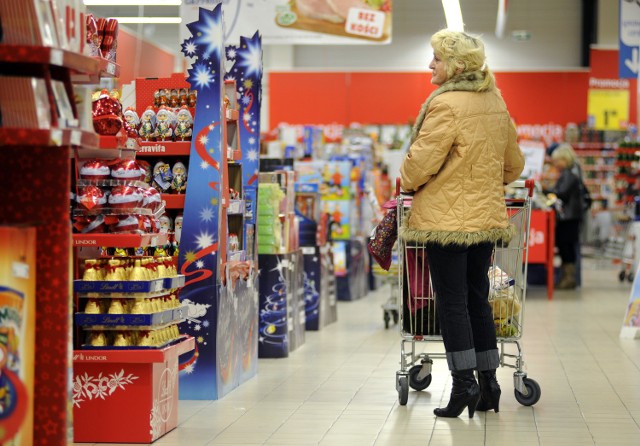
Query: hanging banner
x,y
300,22
198,258
608,104
628,57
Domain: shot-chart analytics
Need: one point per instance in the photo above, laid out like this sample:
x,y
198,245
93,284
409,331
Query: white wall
x,y
554,25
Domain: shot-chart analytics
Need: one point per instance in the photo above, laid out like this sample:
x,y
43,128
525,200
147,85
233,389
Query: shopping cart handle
x,y
529,184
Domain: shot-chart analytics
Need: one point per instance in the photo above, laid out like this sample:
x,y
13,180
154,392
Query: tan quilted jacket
x,y
463,154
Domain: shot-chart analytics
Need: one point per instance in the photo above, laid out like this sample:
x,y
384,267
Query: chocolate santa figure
x,y
183,129
147,130
164,129
162,176
179,181
174,98
131,121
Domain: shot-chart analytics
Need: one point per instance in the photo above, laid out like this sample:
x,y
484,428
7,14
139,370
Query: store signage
x,y
608,104
629,57
534,152
286,22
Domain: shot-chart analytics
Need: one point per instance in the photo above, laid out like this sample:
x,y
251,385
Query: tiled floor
x,y
339,388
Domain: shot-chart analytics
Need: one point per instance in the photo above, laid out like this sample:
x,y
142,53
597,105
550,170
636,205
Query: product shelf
x,y
137,356
106,68
171,148
118,142
173,201
120,240
594,145
53,137
51,56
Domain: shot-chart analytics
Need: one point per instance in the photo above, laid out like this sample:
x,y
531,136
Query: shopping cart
x,y
391,308
508,279
620,248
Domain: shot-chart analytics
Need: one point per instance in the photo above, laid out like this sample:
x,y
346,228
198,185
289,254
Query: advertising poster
x,y
17,334
534,152
631,323
608,104
300,22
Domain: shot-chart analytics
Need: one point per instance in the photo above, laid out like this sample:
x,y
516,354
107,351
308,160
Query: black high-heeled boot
x,y
489,391
465,392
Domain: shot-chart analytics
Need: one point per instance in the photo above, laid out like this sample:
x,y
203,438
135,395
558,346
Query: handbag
x,y
382,239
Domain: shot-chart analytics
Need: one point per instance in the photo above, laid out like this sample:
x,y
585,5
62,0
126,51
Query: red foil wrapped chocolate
x,y
128,223
110,40
91,197
107,114
95,170
125,197
151,199
94,38
89,224
128,170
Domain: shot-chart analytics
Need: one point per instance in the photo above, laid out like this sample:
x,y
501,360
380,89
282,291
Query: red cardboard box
x,y
126,396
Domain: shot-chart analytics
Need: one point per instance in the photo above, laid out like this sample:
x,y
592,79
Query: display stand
x,y
217,252
37,166
542,244
127,396
319,287
282,306
319,278
351,262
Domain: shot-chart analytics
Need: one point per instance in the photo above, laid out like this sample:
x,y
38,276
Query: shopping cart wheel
x,y
415,382
630,276
533,393
622,275
387,319
396,316
403,390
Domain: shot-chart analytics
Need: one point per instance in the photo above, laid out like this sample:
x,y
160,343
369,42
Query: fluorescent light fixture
x,y
501,20
453,14
133,2
148,19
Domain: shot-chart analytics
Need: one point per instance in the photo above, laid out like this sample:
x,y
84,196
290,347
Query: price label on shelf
x,y
76,137
608,109
56,57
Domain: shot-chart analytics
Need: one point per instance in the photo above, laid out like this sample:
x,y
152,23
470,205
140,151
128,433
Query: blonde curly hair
x,y
463,52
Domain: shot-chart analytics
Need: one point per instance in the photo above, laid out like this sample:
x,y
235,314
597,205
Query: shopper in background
x,y
567,197
463,152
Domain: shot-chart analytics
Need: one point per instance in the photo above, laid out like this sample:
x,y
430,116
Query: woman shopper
x,y
463,152
568,201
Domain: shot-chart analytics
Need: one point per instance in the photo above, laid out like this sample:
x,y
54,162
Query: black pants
x,y
567,239
460,280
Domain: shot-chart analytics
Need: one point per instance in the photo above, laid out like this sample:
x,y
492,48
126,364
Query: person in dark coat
x,y
567,194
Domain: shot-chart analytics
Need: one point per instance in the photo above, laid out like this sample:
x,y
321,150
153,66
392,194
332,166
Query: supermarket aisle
x,y
339,388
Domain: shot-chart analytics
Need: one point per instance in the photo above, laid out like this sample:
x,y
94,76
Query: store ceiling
x,y
479,16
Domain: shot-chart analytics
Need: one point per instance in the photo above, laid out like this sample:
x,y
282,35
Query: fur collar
x,y
468,81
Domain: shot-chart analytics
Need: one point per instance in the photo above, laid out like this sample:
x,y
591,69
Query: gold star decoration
x,y
190,256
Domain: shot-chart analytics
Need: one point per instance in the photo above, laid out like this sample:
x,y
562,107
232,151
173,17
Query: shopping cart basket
x,y
620,248
508,279
391,308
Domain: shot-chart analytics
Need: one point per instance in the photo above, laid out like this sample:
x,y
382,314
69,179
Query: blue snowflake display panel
x,y
198,259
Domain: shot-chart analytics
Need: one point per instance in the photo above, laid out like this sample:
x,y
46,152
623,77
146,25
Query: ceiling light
x,y
501,20
148,19
133,2
453,14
